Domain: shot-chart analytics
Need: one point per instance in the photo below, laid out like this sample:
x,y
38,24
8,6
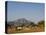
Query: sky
x,y
31,11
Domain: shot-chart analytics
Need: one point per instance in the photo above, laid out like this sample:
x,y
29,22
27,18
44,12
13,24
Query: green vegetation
x,y
41,23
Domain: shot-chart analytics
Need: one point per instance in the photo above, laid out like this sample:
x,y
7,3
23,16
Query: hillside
x,y
24,25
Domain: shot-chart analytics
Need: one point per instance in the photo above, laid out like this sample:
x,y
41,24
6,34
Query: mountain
x,y
20,22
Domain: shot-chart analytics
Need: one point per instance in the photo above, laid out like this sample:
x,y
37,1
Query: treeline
x,y
40,23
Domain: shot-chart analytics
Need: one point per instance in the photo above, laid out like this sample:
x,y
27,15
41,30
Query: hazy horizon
x,y
31,11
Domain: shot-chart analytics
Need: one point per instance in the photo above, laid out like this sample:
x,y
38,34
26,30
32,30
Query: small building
x,y
19,28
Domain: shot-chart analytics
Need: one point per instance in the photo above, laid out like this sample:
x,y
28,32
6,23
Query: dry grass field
x,y
40,27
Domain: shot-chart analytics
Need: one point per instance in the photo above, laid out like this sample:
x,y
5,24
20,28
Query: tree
x,y
41,23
